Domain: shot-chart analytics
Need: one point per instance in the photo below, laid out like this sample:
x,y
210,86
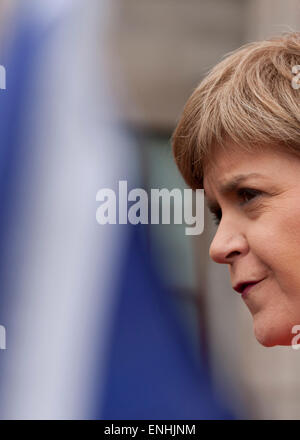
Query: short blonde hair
x,y
247,98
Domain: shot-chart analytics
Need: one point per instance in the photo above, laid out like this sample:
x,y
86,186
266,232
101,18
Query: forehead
x,y
228,167
223,161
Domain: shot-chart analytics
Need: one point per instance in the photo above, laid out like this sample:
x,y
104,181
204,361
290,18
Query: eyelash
x,y
240,192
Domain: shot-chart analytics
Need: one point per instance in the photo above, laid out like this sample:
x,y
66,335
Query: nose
x,y
228,244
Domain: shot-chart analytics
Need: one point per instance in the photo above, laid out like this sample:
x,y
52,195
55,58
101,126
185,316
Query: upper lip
x,y
239,287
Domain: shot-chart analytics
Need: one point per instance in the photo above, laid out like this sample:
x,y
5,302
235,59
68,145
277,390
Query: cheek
x,y
277,244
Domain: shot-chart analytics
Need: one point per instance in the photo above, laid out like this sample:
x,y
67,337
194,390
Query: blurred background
x,y
119,321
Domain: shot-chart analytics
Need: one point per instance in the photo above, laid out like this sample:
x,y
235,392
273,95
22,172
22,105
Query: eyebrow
x,y
228,187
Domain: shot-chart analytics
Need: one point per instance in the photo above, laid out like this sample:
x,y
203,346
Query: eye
x,y
247,194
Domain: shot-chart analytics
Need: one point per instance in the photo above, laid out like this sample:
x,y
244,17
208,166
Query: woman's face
x,y
256,197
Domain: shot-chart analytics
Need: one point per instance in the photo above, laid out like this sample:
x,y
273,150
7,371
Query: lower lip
x,y
248,288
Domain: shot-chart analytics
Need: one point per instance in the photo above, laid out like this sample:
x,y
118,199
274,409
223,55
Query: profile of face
x,y
256,199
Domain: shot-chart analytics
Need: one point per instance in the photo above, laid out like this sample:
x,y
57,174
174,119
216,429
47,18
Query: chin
x,y
270,335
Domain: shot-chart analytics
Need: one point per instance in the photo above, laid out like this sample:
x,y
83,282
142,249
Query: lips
x,y
244,286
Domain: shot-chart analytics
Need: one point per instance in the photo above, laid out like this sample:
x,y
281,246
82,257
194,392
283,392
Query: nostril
x,y
233,254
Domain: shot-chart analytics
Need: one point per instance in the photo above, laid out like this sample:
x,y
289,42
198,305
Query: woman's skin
x,y
259,233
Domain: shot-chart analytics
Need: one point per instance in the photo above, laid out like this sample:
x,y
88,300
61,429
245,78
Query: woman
x,y
239,139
